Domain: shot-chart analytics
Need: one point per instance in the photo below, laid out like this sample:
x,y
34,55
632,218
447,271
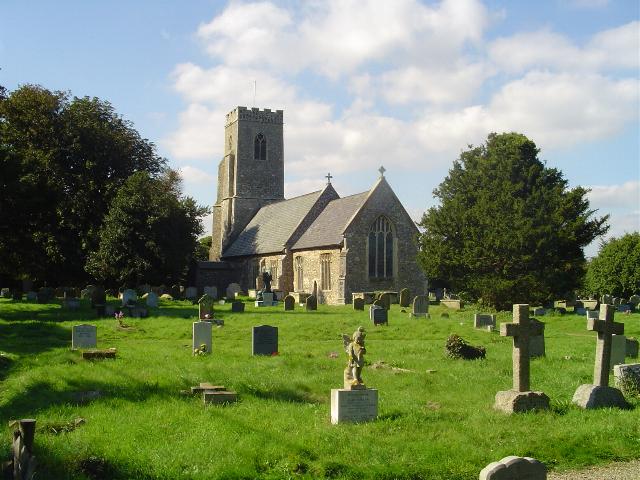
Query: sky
x,y
404,84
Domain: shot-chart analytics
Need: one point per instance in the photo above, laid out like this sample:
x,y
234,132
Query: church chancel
x,y
317,243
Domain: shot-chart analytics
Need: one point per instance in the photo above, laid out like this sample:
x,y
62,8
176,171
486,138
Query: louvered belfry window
x,y
260,147
381,249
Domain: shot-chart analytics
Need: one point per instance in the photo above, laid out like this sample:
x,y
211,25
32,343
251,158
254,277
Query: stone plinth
x,y
593,396
510,401
453,304
354,405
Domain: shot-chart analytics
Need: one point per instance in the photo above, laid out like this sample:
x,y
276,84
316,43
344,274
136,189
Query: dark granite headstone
x,y
378,314
264,340
358,303
311,303
289,302
237,307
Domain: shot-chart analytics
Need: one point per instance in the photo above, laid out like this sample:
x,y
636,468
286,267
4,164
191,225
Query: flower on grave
x,y
275,354
207,316
201,351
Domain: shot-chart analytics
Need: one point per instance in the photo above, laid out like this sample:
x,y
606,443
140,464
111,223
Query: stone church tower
x,y
251,174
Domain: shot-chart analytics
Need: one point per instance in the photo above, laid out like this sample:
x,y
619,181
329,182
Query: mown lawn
x,y
436,420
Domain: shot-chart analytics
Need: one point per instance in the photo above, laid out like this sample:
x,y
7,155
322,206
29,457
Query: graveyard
x,y
134,416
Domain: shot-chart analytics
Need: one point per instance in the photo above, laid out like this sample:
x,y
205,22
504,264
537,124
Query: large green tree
x,y
616,268
64,159
150,233
508,229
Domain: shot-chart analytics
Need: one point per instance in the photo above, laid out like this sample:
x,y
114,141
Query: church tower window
x,y
381,249
260,147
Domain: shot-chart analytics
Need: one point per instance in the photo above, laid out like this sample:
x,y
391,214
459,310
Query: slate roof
x,y
328,227
272,226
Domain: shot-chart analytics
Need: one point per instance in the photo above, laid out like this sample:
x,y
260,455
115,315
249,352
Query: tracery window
x,y
381,249
325,271
260,147
299,274
273,270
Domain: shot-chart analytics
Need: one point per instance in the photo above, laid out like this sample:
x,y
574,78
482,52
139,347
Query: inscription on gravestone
x,y
84,336
378,315
354,405
264,340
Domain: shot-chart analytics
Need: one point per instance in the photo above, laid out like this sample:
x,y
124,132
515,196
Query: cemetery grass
x,y
435,414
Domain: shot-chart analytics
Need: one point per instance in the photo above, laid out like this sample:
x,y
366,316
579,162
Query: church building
x,y
315,243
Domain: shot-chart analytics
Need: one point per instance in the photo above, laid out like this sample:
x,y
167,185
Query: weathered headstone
x,y
600,394
482,320
354,405
84,336
289,303
590,304
632,348
358,303
205,307
267,300
378,315
71,303
152,300
311,303
455,304
211,291
201,336
385,300
627,377
608,299
420,306
191,293
539,312
618,350
592,314
634,300
129,296
536,342
405,297
515,468
232,289
264,340
520,398
237,307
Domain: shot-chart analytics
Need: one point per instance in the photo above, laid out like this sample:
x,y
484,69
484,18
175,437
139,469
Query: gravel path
x,y
613,471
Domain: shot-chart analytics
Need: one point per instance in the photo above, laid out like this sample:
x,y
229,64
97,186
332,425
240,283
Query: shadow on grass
x,y
279,394
27,337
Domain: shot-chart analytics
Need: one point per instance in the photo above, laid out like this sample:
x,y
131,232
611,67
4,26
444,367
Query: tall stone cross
x,y
328,177
382,170
605,326
522,329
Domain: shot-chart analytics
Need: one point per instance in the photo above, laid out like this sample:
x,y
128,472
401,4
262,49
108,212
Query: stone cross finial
x,y
605,326
328,177
382,170
521,330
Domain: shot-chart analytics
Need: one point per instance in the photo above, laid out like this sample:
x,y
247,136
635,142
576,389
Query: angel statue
x,y
354,346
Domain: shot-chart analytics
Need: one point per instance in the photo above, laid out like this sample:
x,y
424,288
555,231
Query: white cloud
x,y
197,176
589,3
199,133
626,195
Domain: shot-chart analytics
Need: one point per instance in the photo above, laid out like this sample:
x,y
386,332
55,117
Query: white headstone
x,y
129,295
84,336
152,300
202,335
353,405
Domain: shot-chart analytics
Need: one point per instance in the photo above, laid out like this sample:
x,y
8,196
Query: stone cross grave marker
x,y
201,336
405,297
358,303
84,336
264,340
205,307
152,300
191,293
129,296
420,306
600,394
521,398
311,303
211,291
289,302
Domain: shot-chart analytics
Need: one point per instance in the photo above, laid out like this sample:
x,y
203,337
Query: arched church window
x,y
299,274
381,248
260,147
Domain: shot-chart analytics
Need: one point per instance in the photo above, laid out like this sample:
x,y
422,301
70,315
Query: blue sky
x,y
404,84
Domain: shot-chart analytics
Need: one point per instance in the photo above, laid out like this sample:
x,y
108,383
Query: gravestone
x,y
520,398
590,304
378,315
267,300
264,340
420,306
201,336
98,300
152,300
539,312
454,304
405,297
289,303
634,300
483,320
84,336
618,350
237,307
175,292
354,405
627,377
580,311
600,394
624,308
385,300
32,296
211,291
71,303
5,293
191,293
536,342
358,303
515,468
311,303
129,296
592,314
232,289
632,348
205,307
608,299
